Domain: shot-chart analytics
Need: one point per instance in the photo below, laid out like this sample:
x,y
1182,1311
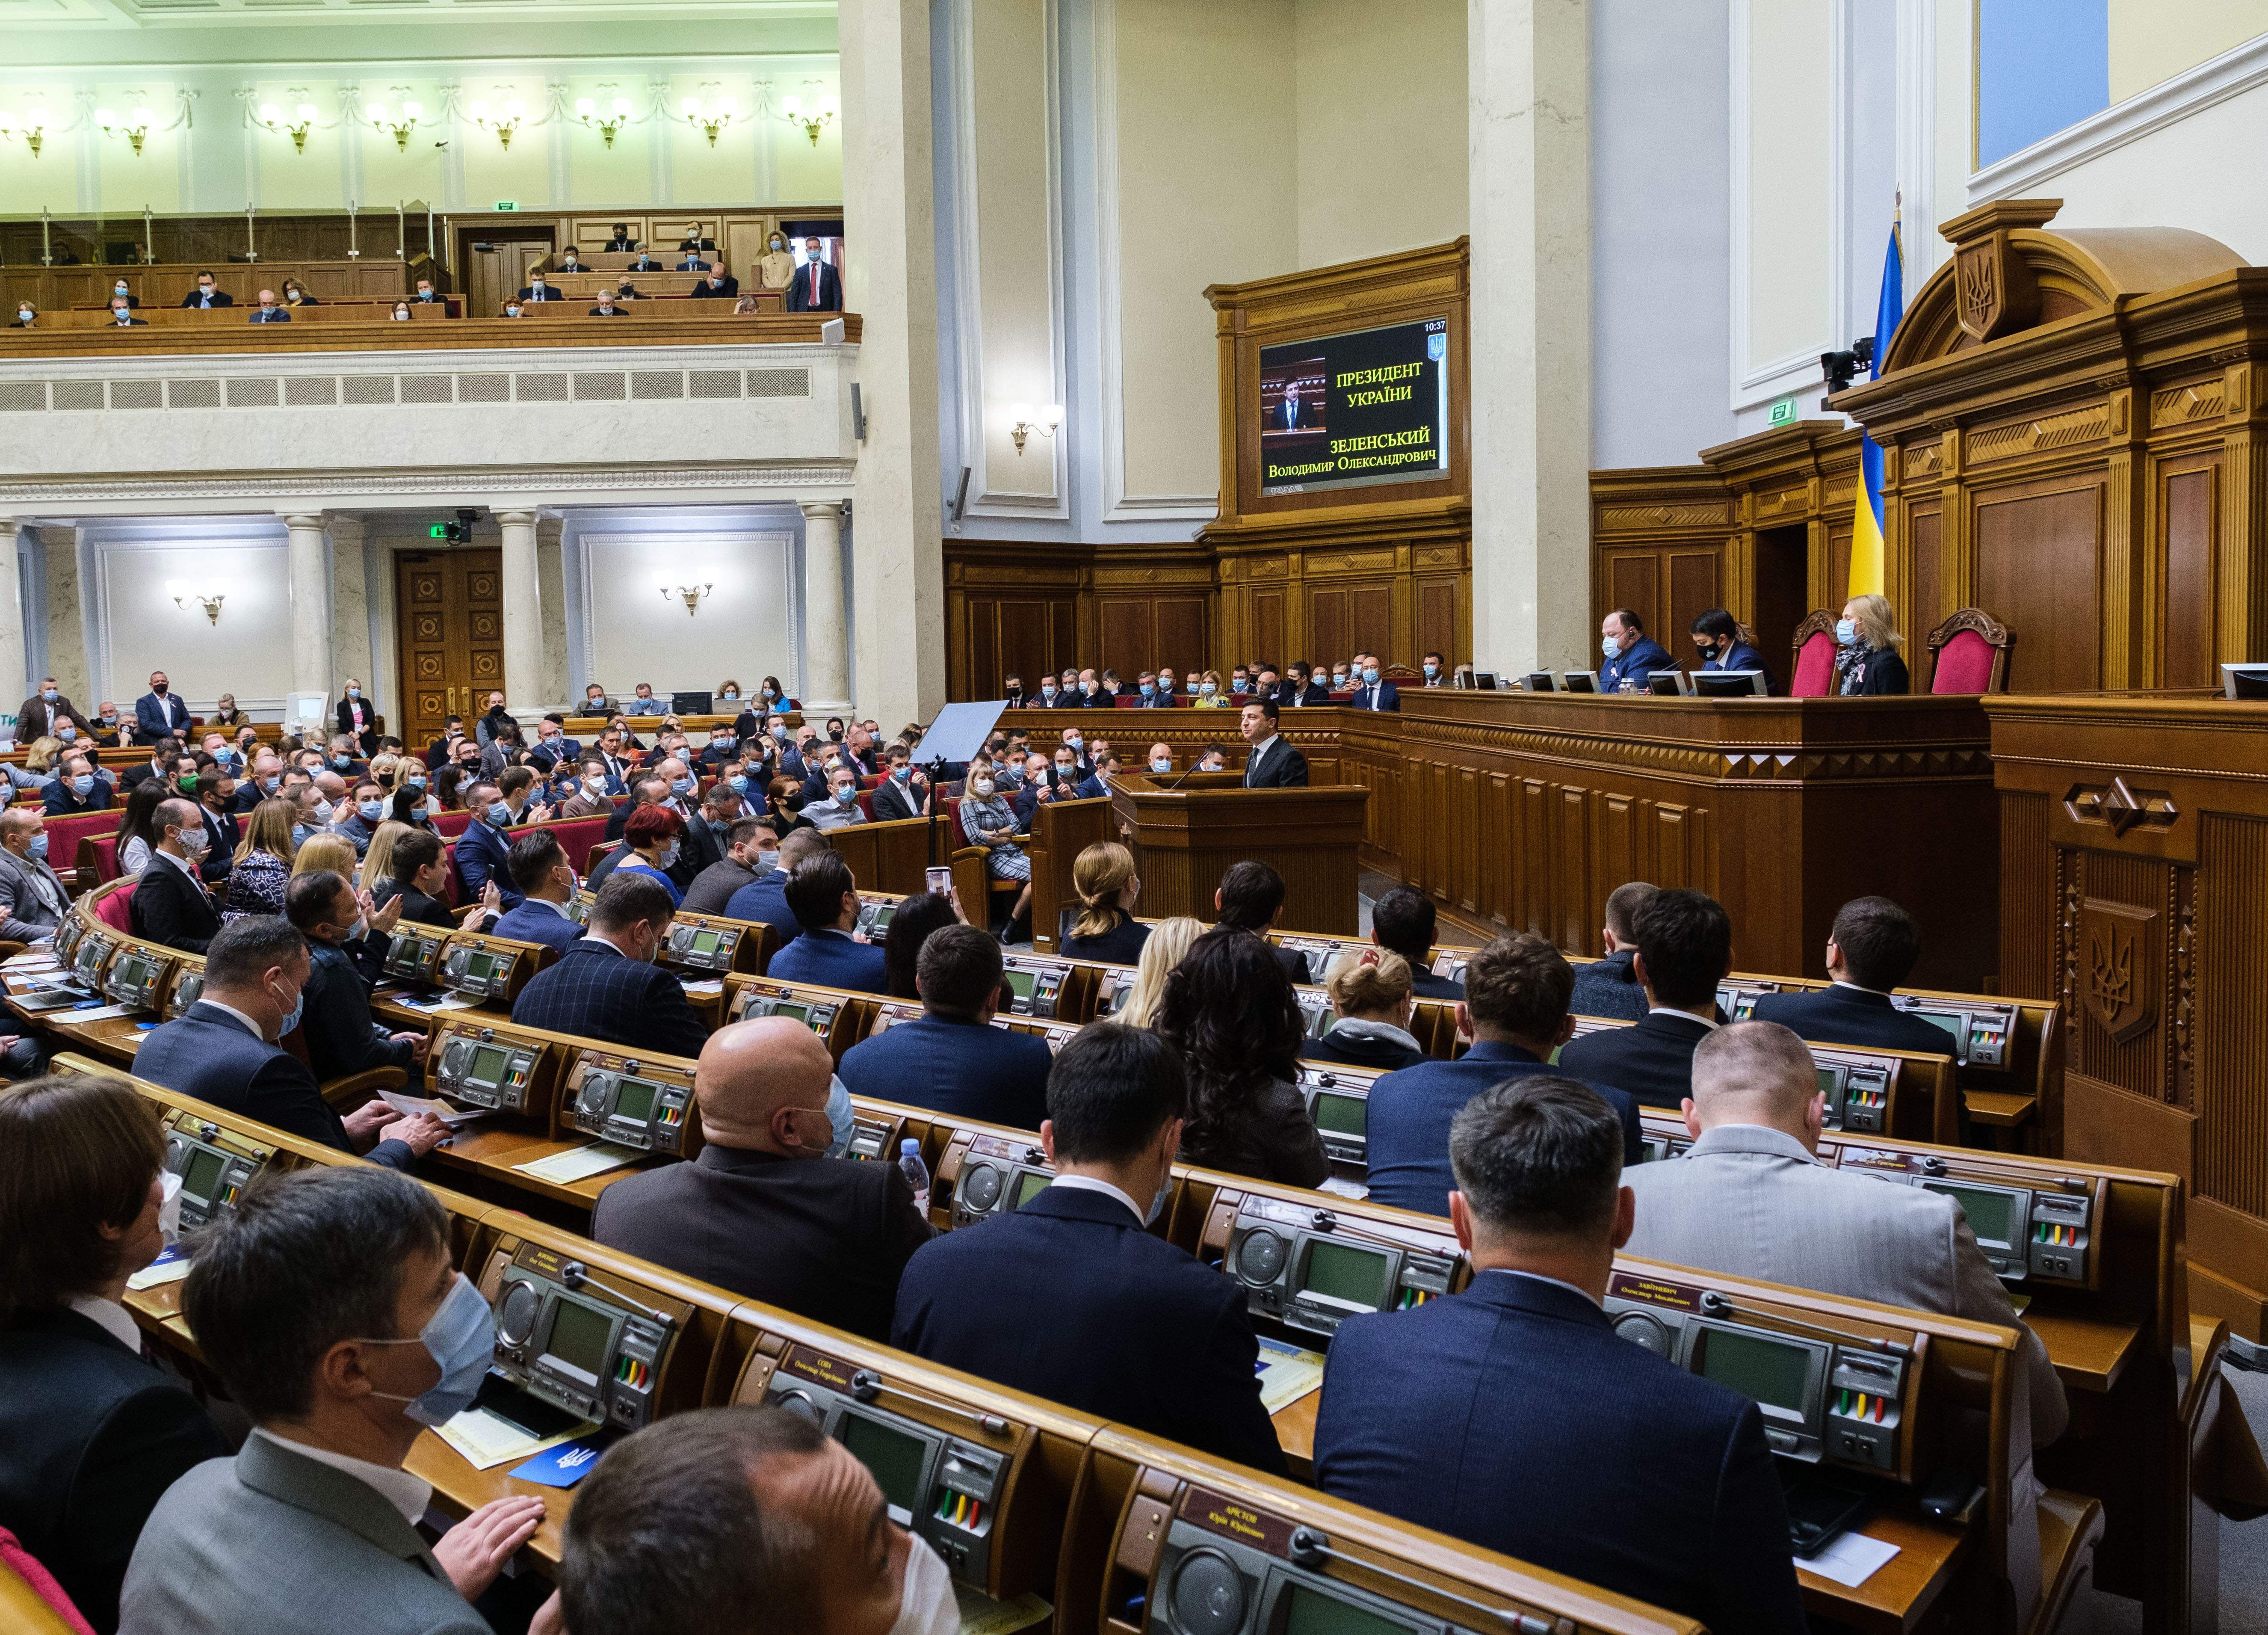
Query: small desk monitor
x,y
1538,681
1579,681
1727,683
1668,684
690,703
1484,680
2244,680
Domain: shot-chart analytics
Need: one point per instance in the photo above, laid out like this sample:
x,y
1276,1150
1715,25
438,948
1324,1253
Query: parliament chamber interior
x,y
1646,1034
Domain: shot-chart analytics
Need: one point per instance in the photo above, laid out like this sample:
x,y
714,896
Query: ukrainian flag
x,y
1867,530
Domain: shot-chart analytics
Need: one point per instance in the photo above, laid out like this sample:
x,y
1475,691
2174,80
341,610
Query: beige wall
x,y
1789,181
1246,140
1380,125
2153,41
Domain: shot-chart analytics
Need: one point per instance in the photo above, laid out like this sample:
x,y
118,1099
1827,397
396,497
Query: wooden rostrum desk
x,y
1524,810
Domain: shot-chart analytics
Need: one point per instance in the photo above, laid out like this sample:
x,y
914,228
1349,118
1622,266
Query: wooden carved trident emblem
x,y
2119,971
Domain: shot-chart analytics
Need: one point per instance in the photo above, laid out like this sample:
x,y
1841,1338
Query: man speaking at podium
x,y
1273,763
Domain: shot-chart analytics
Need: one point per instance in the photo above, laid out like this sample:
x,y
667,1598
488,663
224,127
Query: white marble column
x,y
1529,77
889,215
310,568
826,652
523,615
13,658
68,661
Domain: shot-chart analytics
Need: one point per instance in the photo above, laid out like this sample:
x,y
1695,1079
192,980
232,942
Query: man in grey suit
x,y
1749,1199
327,1303
32,898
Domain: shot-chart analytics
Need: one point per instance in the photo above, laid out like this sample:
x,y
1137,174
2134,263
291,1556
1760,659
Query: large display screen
x,y
578,1338
1773,1372
896,1457
1369,406
1358,1275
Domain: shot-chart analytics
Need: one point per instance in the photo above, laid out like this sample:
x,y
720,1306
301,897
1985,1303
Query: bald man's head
x,y
762,1085
1756,1074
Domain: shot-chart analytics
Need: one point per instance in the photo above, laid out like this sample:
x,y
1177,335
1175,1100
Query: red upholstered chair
x,y
104,860
576,836
452,824
1129,698
1813,674
1969,654
866,804
115,909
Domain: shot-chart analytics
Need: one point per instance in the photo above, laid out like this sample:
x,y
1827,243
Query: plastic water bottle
x,y
916,1171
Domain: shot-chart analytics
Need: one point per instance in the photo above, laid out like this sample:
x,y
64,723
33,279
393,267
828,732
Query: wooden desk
x,y
1186,838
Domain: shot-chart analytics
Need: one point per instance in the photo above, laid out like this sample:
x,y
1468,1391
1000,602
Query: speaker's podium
x,y
1188,831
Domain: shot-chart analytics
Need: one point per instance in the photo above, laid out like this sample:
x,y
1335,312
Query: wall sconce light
x,y
297,128
209,598
710,122
399,127
1028,419
812,123
691,594
32,126
504,124
134,127
586,111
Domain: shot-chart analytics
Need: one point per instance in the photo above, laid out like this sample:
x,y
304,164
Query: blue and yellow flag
x,y
1867,529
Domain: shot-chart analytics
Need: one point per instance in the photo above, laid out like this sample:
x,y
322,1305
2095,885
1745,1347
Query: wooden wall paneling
x,y
1634,581
1925,572
1329,625
2187,514
1129,636
1832,587
2232,1048
1696,585
1267,627
1437,620
2031,899
2039,548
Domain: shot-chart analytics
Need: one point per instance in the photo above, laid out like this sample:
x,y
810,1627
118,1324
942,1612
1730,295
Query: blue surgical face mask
x,y
372,810
413,783
84,784
740,783
67,733
354,692
839,1118
300,833
1149,690
291,1019
461,1338
1370,675
421,813
1846,632
341,762
47,693
846,795
1611,647
1207,687
1433,670
1047,689
731,693
779,731
1075,741
40,847
1161,763
269,784
681,785
766,861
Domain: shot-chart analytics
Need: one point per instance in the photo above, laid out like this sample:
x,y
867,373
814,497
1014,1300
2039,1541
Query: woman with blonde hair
x,y
326,850
41,755
1866,642
261,866
1208,693
377,862
1372,996
1161,951
1106,929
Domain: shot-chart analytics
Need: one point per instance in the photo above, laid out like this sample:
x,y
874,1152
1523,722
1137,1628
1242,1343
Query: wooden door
x,y
498,271
450,618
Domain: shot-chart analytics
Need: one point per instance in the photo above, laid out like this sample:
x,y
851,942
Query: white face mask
x,y
169,1210
928,1606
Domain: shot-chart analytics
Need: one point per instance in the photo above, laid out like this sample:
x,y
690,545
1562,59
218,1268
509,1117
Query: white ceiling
x,y
140,14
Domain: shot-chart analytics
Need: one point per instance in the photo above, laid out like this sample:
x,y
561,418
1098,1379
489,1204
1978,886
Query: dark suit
x,y
1361,1051
1386,696
1068,1298
548,292
365,728
764,900
826,1238
892,799
198,298
692,263
1275,765
607,311
1301,698
713,889
57,798
597,991
155,717
483,854
1456,1415
705,290
961,1068
1609,987
37,718
1651,1060
130,323
830,959
646,263
1294,963
1885,673
1426,985
418,909
89,1437
1636,663
534,921
620,245
1122,945
268,315
1410,1110
702,844
207,1053
1740,656
336,1028
171,908
1845,1015
815,288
